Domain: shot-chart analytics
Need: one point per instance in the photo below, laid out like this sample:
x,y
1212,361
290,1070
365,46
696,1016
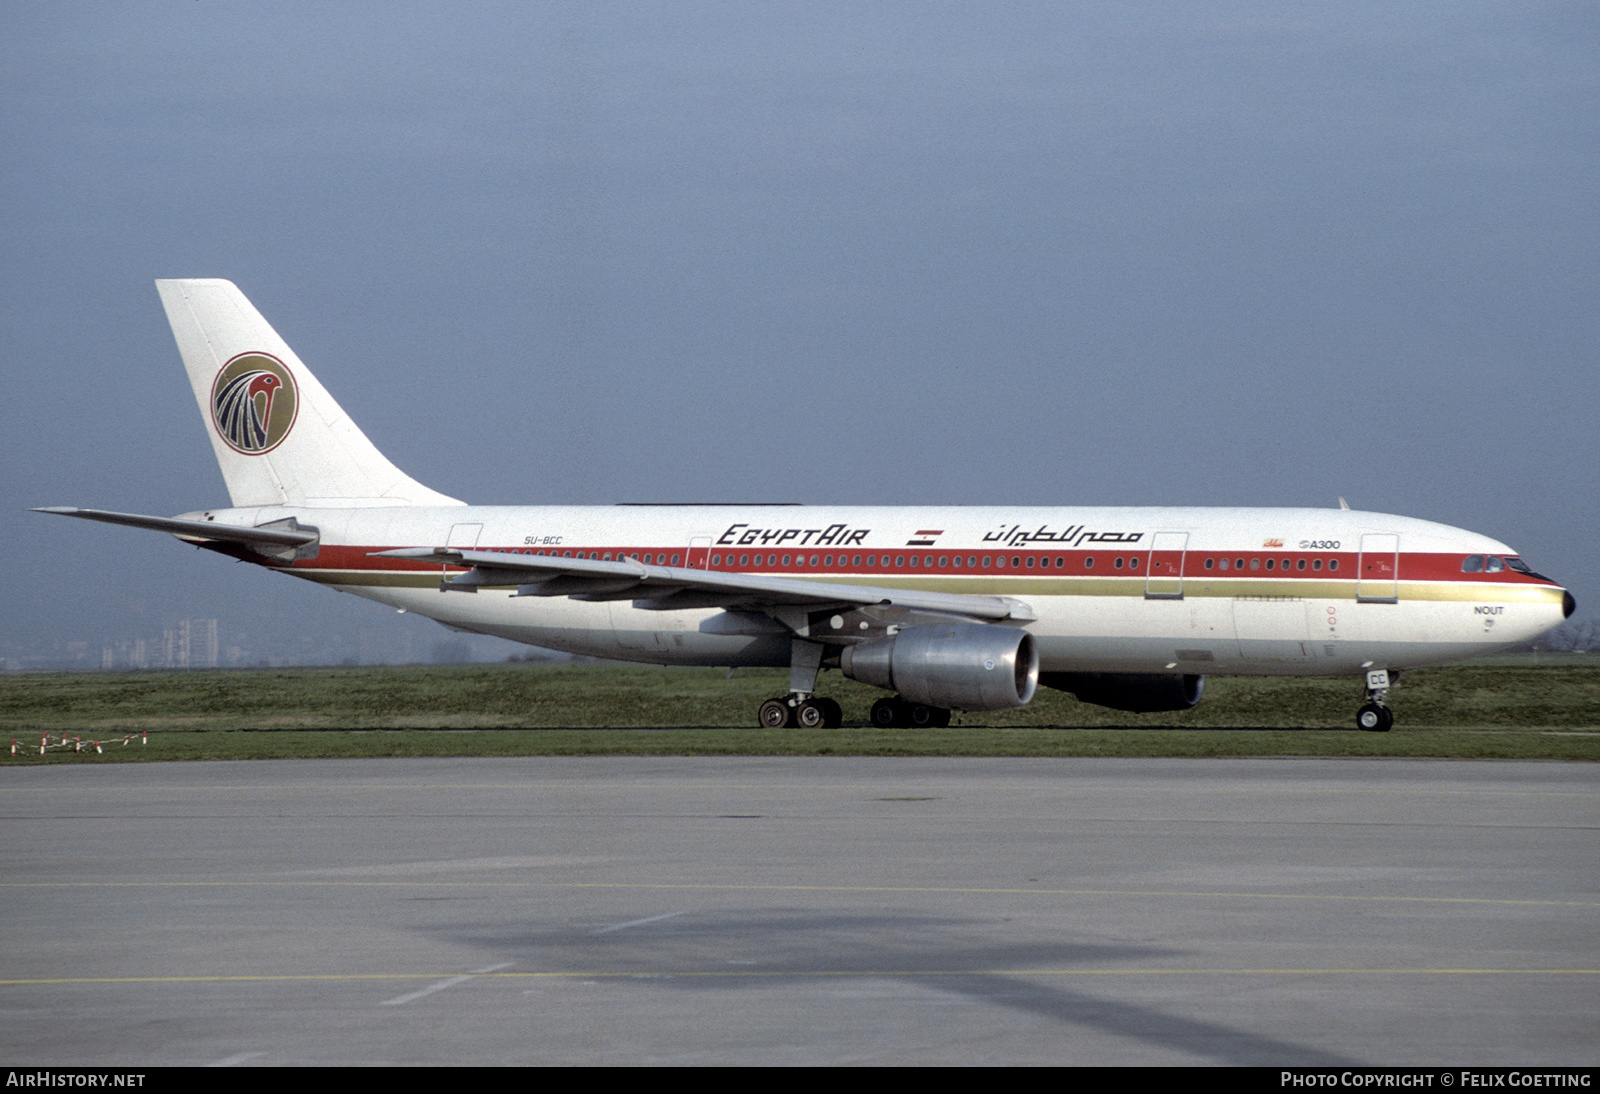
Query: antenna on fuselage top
x,y
1343,504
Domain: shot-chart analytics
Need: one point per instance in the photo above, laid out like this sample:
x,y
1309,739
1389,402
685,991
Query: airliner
x,y
968,609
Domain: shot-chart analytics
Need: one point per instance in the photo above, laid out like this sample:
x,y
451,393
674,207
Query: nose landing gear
x,y
1375,715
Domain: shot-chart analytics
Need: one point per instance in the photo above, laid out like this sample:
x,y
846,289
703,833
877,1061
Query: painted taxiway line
x,y
635,923
238,1059
769,974
451,982
746,888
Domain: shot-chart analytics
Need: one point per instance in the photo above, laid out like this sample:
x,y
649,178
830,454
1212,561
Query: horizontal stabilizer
x,y
269,540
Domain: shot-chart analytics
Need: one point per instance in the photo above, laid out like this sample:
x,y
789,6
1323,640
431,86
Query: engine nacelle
x,y
1141,693
962,666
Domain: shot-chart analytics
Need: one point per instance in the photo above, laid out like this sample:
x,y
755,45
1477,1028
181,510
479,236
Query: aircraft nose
x,y
1568,605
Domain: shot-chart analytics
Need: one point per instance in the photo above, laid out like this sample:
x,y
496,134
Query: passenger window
x,y
1016,560
1133,563
856,561
872,560
1270,563
943,559
813,560
986,561
1118,564
1316,564
1300,565
827,560
1210,562
1333,564
1088,562
675,560
899,560
1030,562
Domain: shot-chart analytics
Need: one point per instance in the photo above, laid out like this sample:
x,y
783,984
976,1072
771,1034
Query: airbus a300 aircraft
x,y
950,608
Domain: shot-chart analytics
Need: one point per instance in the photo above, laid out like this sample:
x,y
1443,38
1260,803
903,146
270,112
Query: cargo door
x,y
1272,630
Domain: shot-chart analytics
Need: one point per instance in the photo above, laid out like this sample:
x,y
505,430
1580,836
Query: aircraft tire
x,y
1374,718
833,712
774,714
811,714
926,717
887,714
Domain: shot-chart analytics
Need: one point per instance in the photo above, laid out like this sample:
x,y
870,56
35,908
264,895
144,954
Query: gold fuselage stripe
x,y
1022,588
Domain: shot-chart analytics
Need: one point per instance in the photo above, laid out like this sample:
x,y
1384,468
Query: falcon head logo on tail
x,y
254,403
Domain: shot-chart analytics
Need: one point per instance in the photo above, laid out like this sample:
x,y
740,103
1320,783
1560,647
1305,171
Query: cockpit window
x,y
1518,565
1493,566
1472,564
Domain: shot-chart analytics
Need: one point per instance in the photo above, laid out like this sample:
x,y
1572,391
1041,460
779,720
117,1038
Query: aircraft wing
x,y
665,588
277,538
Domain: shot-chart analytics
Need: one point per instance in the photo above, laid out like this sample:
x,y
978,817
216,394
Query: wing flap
x,y
666,588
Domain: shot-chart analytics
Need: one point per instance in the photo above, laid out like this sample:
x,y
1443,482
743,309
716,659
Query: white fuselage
x,y
1310,592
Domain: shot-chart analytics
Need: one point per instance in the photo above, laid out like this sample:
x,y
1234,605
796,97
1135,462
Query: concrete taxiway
x,y
802,911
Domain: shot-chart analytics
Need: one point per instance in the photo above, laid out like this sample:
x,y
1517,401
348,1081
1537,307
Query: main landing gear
x,y
1375,715
902,713
800,711
800,708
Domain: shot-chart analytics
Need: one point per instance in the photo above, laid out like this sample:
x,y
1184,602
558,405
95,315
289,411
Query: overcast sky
x,y
1120,253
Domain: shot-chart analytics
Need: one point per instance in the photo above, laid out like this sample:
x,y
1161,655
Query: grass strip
x,y
1511,711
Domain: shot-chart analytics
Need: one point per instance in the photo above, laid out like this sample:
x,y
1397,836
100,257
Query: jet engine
x,y
1141,693
966,666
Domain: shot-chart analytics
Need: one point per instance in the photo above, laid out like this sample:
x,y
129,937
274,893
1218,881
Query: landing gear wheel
x,y
811,714
774,714
833,714
1375,718
926,717
888,713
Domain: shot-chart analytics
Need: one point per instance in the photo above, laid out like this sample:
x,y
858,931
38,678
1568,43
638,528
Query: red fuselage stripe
x,y
903,561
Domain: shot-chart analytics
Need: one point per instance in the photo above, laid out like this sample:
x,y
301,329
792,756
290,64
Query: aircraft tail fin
x,y
280,438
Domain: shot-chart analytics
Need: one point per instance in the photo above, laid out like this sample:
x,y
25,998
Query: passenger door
x,y
1378,569
1163,578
